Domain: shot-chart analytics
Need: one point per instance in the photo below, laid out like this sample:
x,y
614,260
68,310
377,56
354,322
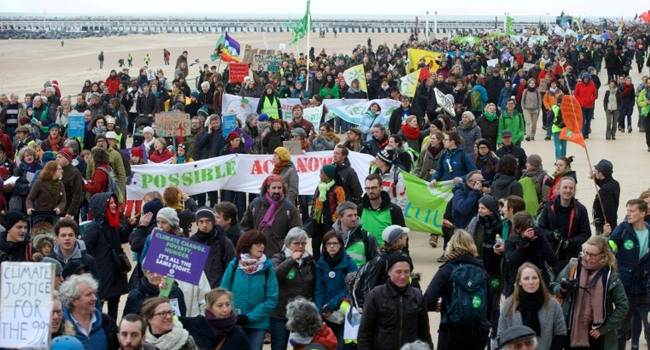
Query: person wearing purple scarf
x,y
218,329
272,214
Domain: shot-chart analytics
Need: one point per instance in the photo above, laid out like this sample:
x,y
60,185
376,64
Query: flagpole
x,y
308,47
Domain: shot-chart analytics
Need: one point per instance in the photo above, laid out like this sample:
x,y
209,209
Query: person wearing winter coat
x,y
149,287
399,115
217,328
612,103
371,118
506,93
104,234
251,278
25,171
326,139
478,97
469,131
212,235
393,180
489,124
598,284
565,223
485,160
429,156
276,136
329,194
47,193
284,167
160,154
164,331
531,104
412,135
451,166
586,94
67,250
269,103
512,121
505,181
99,181
526,243
332,267
295,270
14,245
537,175
252,130
460,250
394,313
609,192
533,306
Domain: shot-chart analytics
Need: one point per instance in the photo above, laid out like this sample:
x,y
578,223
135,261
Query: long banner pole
x,y
308,48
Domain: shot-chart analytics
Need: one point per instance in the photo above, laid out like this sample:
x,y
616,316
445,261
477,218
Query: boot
x,y
433,241
442,257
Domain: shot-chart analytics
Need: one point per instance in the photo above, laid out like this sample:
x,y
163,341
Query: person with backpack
x,y
332,267
376,209
392,179
272,214
463,285
395,313
591,289
533,306
115,162
99,181
251,278
222,250
511,120
454,164
478,97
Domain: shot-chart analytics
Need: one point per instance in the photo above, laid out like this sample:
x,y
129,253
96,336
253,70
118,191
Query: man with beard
x,y
272,214
191,138
81,105
193,108
376,209
131,333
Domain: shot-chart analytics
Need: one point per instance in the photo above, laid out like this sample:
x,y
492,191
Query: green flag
x,y
299,28
426,206
217,48
510,30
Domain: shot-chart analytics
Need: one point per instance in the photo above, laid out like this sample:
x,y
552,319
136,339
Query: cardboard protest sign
x,y
151,74
543,84
445,102
26,305
238,71
176,257
76,125
228,124
528,66
292,146
493,62
172,124
269,63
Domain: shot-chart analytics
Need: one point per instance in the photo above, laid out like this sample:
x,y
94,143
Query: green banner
x,y
426,206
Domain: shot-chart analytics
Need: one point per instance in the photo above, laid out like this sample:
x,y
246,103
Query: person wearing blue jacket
x,y
331,269
477,109
506,93
466,198
251,278
370,119
450,165
633,261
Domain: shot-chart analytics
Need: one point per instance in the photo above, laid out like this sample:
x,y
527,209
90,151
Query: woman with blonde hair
x,y
594,299
533,306
461,250
160,153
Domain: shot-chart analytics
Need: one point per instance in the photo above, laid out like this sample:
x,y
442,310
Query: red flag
x,y
645,17
424,74
572,117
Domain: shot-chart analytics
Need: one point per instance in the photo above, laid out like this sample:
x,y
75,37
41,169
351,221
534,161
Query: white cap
x,y
392,233
111,135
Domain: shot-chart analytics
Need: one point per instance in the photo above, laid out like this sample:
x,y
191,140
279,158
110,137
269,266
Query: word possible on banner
x,y
26,305
176,257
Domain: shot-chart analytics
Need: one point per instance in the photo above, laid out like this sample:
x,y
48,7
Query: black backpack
x,y
467,302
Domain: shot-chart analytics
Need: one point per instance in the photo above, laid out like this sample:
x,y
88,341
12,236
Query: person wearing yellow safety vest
x,y
556,128
357,242
269,103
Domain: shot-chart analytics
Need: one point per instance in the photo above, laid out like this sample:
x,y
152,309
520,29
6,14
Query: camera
x,y
570,284
486,183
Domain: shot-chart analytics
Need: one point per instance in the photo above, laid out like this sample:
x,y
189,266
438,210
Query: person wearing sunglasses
x,y
295,270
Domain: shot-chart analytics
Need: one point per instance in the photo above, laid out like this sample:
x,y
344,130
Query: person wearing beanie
x,y
67,250
535,171
276,136
143,230
469,131
12,241
329,194
411,322
170,218
586,94
273,213
392,178
54,141
222,250
58,271
210,145
610,193
284,167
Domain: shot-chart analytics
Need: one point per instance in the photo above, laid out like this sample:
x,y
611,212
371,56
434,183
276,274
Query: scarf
x,y
172,340
54,183
233,150
434,150
54,143
491,226
221,325
561,173
278,167
30,167
468,126
269,217
329,136
411,133
552,91
249,265
181,160
304,144
323,188
333,261
589,305
113,219
455,255
351,89
99,130
529,305
490,117
148,145
179,203
612,104
288,253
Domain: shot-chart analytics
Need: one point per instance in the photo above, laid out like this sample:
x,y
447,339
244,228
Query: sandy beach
x,y
26,64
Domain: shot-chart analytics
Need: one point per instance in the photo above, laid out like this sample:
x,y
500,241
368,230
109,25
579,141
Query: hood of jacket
x,y
76,253
98,204
502,181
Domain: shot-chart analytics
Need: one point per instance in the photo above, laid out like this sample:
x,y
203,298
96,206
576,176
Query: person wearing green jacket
x,y
512,120
644,107
591,289
329,90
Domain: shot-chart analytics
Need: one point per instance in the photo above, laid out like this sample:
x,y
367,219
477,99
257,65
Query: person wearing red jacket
x,y
99,182
560,67
113,83
6,142
161,153
586,94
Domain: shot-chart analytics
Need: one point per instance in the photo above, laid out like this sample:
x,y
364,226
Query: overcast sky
x,y
295,7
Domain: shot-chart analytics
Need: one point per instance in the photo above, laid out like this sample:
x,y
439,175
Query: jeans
x,y
337,329
496,312
304,207
587,114
255,337
640,303
626,111
214,198
11,132
611,116
560,146
279,334
530,118
101,64
636,329
237,198
341,124
646,122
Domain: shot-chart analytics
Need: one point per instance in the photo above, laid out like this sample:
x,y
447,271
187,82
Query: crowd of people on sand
x,y
523,268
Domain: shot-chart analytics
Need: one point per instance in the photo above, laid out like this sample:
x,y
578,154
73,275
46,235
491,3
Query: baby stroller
x,y
141,122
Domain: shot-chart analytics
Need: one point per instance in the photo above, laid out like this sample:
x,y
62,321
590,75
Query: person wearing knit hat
x,y
222,250
12,241
148,129
137,152
609,191
101,137
438,124
483,142
490,203
233,135
263,117
398,257
194,94
283,154
169,215
47,157
66,153
203,112
330,171
385,156
58,270
153,206
205,213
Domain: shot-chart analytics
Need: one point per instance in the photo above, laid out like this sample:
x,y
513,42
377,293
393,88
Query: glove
x,y
568,285
242,320
558,236
564,244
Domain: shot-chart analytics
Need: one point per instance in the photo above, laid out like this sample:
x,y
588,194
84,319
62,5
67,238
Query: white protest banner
x,y
444,102
351,110
26,305
493,62
244,172
312,115
528,66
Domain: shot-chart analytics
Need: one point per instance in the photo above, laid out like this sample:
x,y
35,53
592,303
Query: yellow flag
x,y
356,72
410,83
429,59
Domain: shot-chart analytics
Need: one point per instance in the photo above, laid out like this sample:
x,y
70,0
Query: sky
x,y
592,9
